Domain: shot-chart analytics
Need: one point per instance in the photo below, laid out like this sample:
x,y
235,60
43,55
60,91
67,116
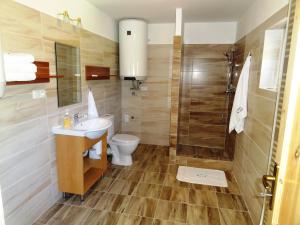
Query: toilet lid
x,y
125,138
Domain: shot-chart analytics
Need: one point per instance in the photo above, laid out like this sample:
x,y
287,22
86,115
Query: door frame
x,y
288,182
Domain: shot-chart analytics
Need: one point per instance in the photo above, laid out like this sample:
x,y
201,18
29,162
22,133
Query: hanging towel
x,y
92,109
239,108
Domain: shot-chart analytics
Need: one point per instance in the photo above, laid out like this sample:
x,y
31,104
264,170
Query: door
x,y
284,180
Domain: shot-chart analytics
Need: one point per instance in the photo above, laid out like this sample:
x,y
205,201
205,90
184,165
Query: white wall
x,y
194,33
210,33
161,33
257,13
92,18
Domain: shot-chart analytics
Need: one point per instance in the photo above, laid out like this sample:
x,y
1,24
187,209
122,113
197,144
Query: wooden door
x,y
286,196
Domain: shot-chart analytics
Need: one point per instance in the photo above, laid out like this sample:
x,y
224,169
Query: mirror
x,y
68,72
273,57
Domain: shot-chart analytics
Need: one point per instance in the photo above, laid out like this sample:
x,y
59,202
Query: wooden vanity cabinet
x,y
76,174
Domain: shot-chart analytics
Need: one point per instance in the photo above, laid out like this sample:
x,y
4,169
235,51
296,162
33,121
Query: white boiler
x,y
133,49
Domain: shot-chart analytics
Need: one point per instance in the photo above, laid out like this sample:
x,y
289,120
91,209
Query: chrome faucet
x,y
77,117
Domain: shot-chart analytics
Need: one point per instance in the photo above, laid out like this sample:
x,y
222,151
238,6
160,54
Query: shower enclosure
x,y
207,91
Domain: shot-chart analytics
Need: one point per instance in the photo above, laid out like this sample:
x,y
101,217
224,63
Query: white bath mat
x,y
202,176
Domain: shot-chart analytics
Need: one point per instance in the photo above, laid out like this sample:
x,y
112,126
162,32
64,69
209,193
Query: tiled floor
x,y
202,152
148,193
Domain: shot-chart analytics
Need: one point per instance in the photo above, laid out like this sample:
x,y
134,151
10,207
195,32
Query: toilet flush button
x,y
126,118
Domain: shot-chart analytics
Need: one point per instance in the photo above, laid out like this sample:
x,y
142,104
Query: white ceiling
x,y
163,11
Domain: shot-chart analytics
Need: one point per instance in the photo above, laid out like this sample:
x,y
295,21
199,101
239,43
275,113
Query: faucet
x,y
77,117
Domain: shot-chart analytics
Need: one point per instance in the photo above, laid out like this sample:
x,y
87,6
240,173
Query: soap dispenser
x,y
67,120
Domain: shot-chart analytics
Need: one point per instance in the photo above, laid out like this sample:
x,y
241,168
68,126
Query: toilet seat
x,y
125,138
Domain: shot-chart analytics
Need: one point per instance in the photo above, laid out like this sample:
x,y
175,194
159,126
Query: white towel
x,y
2,73
18,58
19,67
9,76
92,109
239,108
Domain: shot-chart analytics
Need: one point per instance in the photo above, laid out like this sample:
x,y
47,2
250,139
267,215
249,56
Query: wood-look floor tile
x,y
166,222
171,181
177,194
112,202
91,199
148,190
173,168
232,188
231,217
70,215
131,175
103,184
123,187
204,198
229,201
113,172
97,217
203,187
134,220
172,211
197,215
141,206
153,178
49,214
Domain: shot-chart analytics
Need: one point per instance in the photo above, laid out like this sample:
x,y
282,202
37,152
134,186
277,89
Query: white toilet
x,y
121,145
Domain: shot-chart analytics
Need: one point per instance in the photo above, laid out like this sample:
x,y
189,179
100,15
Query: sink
x,y
91,128
94,128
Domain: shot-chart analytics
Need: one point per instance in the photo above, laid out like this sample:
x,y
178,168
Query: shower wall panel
x,y
204,103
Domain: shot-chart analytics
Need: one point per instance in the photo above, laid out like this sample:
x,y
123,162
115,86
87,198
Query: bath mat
x,y
202,176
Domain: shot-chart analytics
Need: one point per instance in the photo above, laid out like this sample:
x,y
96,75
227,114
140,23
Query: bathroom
x,y
177,115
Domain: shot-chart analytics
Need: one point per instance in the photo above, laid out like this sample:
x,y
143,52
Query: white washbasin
x,y
91,128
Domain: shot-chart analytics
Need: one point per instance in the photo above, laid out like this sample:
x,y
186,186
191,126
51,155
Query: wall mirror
x,y
273,56
68,70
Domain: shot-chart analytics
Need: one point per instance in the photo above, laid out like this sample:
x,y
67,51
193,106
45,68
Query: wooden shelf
x,y
90,177
97,73
91,163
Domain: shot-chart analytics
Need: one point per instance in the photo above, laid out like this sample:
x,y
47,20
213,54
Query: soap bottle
x,y
67,121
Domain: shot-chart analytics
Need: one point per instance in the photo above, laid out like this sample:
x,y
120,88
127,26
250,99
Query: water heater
x,y
133,49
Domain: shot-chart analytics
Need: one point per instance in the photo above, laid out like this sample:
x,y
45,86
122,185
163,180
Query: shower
x,y
207,92
231,70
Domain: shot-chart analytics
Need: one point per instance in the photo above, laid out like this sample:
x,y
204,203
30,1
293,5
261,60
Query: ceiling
x,y
163,11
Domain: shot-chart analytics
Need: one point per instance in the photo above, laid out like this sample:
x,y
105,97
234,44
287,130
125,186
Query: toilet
x,y
121,145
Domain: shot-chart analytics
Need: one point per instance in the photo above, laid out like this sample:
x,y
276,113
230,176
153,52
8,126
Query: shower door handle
x,y
270,184
266,180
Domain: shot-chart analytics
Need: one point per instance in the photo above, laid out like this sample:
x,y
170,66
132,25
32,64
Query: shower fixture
x,y
231,70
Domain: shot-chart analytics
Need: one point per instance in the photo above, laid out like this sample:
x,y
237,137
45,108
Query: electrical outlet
x,y
38,94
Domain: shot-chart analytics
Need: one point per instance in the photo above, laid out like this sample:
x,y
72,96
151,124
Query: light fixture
x,y
67,19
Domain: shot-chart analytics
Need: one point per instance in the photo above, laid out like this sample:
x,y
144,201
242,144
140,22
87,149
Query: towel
x,y
239,108
18,58
2,73
11,76
19,67
92,109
